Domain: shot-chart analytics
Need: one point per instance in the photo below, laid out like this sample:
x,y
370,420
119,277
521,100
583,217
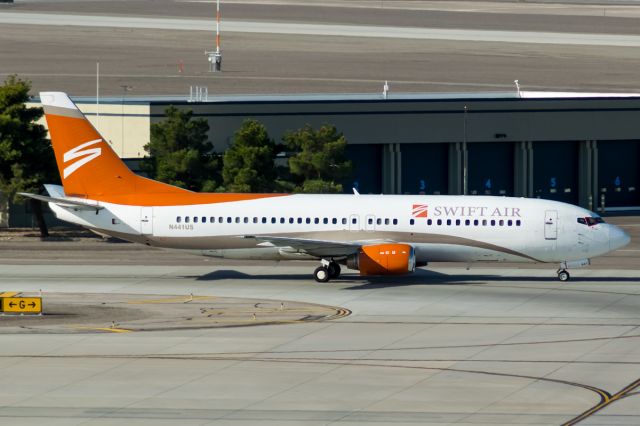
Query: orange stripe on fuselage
x,y
187,199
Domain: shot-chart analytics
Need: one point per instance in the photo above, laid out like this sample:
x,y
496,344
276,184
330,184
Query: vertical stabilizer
x,y
87,164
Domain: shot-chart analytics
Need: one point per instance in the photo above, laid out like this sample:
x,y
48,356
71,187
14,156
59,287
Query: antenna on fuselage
x,y
355,192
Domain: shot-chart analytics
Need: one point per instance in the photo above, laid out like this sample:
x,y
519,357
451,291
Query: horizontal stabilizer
x,y
64,202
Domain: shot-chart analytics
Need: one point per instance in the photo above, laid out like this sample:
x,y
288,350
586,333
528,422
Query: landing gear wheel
x,y
321,274
563,275
334,270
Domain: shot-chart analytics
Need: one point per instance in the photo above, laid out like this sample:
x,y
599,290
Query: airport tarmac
x,y
497,344
157,47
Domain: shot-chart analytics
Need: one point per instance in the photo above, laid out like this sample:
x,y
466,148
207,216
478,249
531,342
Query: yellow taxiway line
x,y
181,299
112,330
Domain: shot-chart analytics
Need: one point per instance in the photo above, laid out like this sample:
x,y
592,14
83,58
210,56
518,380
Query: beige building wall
x,y
126,128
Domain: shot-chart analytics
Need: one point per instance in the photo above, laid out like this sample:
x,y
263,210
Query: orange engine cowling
x,y
383,259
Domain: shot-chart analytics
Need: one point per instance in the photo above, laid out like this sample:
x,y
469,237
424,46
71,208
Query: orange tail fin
x,y
89,168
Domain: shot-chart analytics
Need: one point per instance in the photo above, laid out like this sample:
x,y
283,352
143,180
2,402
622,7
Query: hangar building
x,y
580,148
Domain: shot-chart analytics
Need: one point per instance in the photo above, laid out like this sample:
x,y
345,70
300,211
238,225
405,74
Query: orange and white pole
x,y
218,26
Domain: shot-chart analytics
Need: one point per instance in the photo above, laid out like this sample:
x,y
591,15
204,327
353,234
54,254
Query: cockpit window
x,y
594,220
590,221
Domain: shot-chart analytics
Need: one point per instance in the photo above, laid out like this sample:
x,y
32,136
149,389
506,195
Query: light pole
x,y
465,158
125,89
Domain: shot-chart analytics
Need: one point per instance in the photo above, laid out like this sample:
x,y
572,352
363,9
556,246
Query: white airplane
x,y
374,234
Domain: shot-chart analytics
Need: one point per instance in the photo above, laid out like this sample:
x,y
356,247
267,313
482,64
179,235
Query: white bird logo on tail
x,y
76,152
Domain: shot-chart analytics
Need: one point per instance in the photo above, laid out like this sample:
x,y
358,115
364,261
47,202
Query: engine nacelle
x,y
383,259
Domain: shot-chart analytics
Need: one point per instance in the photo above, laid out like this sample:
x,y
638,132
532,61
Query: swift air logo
x,y
79,151
420,210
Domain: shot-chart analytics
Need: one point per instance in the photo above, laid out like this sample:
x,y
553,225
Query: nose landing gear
x,y
329,270
563,275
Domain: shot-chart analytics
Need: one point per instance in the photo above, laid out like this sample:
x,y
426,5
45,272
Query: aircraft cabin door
x,y
146,220
551,225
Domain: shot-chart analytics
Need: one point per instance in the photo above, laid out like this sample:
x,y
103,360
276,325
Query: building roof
x,y
355,97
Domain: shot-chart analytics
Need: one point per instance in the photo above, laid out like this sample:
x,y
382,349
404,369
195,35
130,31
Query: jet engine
x,y
383,259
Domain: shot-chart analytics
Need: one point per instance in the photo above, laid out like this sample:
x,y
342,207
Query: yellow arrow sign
x,y
31,305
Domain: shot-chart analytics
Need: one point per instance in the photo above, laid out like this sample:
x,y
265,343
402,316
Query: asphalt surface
x,y
446,345
447,46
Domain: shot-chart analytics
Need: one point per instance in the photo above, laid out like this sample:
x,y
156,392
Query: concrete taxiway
x,y
399,32
493,345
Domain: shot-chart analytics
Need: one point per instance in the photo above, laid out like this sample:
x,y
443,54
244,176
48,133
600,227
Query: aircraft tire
x,y
564,275
321,274
334,270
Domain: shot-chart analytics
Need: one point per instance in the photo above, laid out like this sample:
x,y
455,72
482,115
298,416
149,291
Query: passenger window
x,y
378,221
411,221
518,223
264,220
282,220
344,220
221,219
308,220
212,219
178,219
237,219
439,222
395,221
255,219
334,221
370,221
429,222
229,219
484,222
501,222
448,222
476,222
186,219
493,222
509,222
386,221
325,220
291,220
204,219
457,222
467,222
299,220
273,220
316,220
246,220
195,219
354,220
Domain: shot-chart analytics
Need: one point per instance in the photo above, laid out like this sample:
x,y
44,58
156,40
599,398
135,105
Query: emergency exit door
x,y
551,225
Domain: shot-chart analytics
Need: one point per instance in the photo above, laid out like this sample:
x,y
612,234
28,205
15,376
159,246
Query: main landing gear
x,y
563,275
329,270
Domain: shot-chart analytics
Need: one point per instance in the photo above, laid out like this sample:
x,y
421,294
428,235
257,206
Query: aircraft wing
x,y
317,248
63,202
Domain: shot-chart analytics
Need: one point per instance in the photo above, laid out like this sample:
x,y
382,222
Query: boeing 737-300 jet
x,y
374,234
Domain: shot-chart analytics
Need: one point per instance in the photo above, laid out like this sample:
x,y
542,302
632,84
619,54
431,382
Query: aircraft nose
x,y
618,238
